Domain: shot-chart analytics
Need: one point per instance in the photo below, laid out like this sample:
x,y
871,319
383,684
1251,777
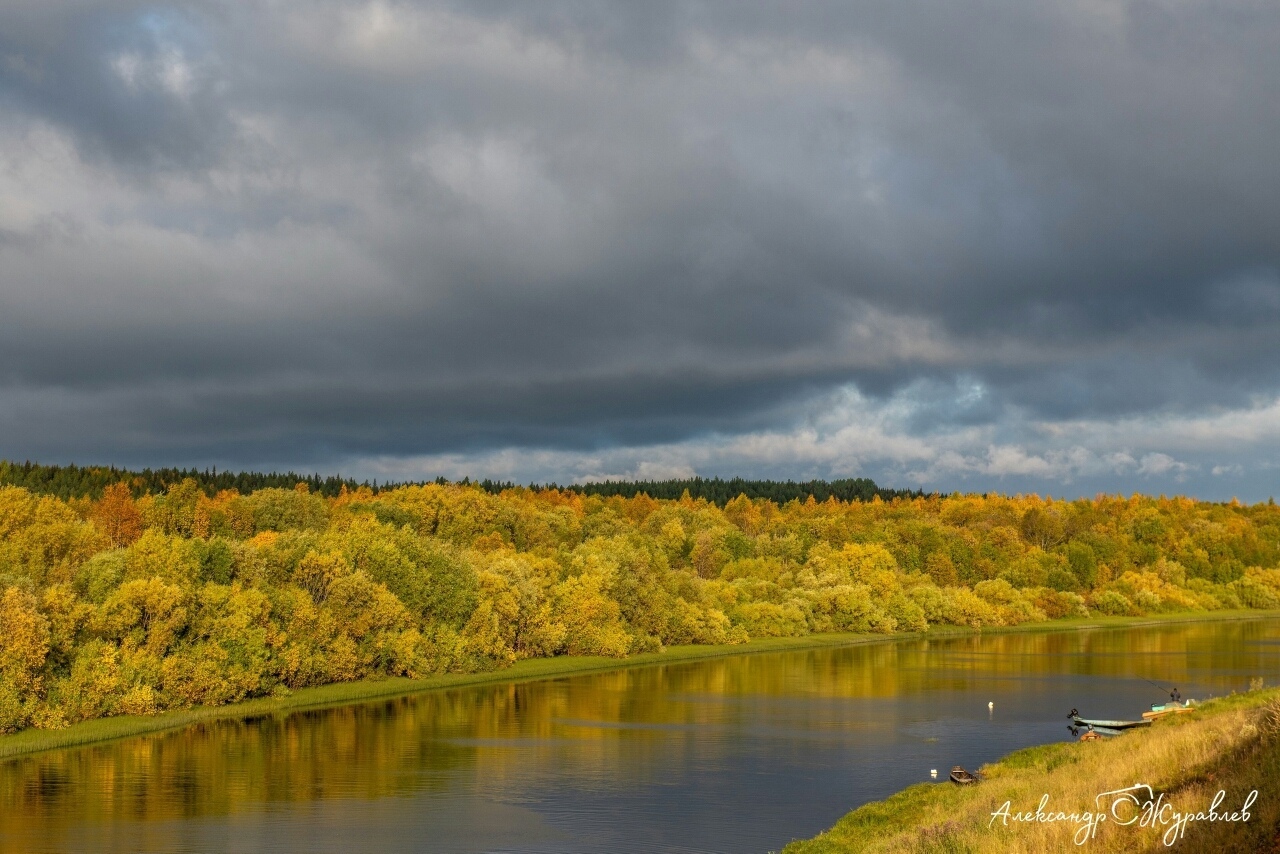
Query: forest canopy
x,y
128,595
72,481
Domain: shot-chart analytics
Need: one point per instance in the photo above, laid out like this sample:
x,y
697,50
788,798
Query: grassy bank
x,y
344,693
1231,744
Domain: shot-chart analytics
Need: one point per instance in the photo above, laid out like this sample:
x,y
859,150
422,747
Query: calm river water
x,y
737,754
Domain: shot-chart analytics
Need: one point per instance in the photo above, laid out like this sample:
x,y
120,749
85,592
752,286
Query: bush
x,y
771,620
1113,604
931,601
1254,594
12,715
1211,596
962,607
848,608
1057,605
997,591
1147,601
689,623
908,616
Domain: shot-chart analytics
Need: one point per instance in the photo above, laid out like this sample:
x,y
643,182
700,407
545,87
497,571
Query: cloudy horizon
x,y
1008,247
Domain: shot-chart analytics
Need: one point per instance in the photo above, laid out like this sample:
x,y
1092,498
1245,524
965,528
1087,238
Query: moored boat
x,y
1159,710
962,777
1117,725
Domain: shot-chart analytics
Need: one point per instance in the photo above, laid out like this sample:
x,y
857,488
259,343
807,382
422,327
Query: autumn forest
x,y
114,602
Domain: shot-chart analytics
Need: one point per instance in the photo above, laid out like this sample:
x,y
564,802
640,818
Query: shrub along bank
x,y
119,605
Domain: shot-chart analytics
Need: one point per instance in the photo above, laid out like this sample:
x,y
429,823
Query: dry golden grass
x,y
1231,744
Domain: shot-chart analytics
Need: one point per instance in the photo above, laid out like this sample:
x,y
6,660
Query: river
x,y
736,754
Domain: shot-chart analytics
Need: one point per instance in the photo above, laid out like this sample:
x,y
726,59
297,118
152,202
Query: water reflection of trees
x,y
600,730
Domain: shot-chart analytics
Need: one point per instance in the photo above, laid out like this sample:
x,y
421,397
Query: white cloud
x,y
128,67
848,434
167,71
1258,423
1158,464
401,40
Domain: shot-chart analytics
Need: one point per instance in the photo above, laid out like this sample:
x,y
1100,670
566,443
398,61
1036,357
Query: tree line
x,y
721,492
72,481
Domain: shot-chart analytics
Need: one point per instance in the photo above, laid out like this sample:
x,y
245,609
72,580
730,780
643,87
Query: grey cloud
x,y
127,80
347,229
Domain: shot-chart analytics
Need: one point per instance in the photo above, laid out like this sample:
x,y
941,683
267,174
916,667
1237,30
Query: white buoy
x,y
933,772
991,705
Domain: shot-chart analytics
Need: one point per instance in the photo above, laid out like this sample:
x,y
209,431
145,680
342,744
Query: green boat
x,y
1159,710
1116,725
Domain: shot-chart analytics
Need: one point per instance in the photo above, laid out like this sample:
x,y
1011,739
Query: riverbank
x,y
346,693
1231,744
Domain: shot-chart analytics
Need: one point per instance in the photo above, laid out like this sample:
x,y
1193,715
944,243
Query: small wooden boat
x,y
1159,710
1085,722
1091,735
963,777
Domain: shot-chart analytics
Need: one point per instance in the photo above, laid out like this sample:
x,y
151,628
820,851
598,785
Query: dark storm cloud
x,y
101,72
260,232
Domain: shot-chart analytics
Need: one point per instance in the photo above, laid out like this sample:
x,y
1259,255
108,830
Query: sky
x,y
990,246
